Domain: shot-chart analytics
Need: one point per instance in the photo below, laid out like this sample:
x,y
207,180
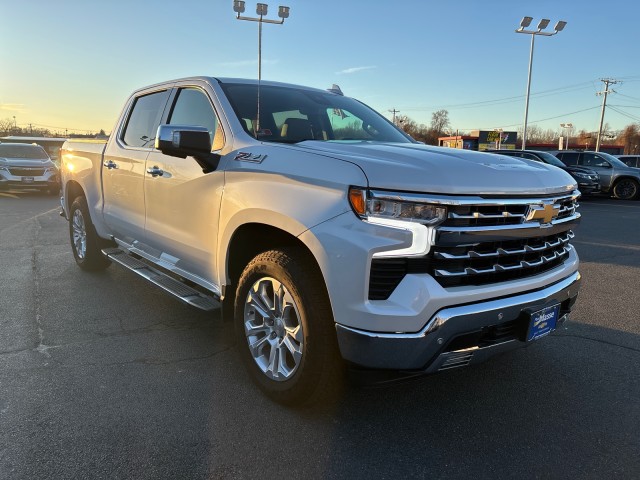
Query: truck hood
x,y
422,168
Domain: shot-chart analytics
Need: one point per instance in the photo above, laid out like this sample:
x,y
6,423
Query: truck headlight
x,y
366,206
418,218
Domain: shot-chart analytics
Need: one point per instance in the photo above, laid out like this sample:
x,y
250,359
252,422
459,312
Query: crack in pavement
x,y
37,293
139,361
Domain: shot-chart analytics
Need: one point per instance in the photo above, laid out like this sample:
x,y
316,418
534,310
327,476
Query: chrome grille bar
x,y
502,252
503,268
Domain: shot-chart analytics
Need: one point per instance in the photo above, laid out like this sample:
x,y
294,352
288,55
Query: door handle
x,y
155,171
110,164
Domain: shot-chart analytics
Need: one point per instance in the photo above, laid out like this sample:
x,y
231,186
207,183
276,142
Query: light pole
x,y
261,10
526,21
568,127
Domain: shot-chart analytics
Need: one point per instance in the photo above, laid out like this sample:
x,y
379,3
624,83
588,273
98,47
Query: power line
x,y
60,128
625,106
500,101
550,118
629,97
625,114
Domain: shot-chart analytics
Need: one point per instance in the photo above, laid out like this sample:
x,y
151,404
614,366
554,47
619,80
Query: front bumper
x,y
47,181
589,188
457,336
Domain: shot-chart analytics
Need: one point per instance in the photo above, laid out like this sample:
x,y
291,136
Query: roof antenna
x,y
335,89
261,10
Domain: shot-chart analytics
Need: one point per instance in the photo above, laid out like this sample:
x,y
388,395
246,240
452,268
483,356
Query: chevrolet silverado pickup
x,y
327,235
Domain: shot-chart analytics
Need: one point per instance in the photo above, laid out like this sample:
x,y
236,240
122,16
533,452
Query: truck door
x,y
182,202
124,163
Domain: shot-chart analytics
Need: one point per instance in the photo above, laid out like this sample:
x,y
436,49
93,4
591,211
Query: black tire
x,y
54,190
319,372
86,248
626,189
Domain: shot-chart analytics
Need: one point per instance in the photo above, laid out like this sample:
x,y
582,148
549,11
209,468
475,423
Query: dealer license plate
x,y
27,179
543,322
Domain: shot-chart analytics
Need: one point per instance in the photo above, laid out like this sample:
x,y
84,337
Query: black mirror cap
x,y
183,140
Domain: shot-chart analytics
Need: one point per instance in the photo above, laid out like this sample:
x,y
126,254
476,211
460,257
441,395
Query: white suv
x,y
27,165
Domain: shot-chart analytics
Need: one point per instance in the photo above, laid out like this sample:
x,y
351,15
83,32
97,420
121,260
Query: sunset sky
x,y
71,64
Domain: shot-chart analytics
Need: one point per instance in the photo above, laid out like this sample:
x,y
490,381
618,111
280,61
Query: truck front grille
x,y
484,244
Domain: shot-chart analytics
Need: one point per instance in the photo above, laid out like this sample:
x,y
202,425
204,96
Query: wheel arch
x,y
251,239
72,190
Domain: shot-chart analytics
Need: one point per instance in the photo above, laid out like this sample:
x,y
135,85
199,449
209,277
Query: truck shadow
x,y
533,413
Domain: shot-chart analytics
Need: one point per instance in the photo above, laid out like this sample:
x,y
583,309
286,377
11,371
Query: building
x,y
488,140
481,140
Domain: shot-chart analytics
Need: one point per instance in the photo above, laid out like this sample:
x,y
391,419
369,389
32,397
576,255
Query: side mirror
x,y
183,141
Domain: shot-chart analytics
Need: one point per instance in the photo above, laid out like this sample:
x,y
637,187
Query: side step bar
x,y
167,283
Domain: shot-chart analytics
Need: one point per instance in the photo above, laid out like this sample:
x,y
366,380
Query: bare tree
x,y
629,136
440,121
6,126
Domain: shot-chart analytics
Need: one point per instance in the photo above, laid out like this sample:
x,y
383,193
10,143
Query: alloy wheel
x,y
273,329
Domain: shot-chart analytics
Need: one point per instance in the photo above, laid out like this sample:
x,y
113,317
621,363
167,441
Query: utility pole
x,y
607,82
394,111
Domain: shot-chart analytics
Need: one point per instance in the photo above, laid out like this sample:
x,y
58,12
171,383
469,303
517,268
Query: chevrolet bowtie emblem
x,y
545,213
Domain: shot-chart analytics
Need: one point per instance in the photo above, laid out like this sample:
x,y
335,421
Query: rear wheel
x,y
85,243
285,328
626,189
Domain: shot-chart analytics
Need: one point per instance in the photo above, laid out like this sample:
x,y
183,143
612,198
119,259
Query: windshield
x,y
290,115
551,159
613,160
30,152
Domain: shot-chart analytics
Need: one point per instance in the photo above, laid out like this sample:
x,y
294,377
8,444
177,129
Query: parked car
x,y
615,177
588,180
27,165
630,160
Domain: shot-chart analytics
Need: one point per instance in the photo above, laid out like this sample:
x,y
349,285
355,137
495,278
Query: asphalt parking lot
x,y
104,376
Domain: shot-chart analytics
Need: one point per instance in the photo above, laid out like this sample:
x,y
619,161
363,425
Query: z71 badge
x,y
250,157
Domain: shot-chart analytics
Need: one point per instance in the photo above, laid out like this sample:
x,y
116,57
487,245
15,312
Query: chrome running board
x,y
168,283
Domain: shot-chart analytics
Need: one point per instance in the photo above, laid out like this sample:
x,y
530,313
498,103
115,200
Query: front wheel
x,y
626,189
285,328
85,243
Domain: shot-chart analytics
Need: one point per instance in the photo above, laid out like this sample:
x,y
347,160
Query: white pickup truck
x,y
329,236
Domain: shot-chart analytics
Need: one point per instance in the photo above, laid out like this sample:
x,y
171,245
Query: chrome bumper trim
x,y
422,349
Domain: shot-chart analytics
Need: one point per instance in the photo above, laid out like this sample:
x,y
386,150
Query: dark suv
x,y
587,179
615,177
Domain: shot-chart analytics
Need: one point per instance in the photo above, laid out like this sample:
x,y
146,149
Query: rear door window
x,y
144,119
593,160
569,158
